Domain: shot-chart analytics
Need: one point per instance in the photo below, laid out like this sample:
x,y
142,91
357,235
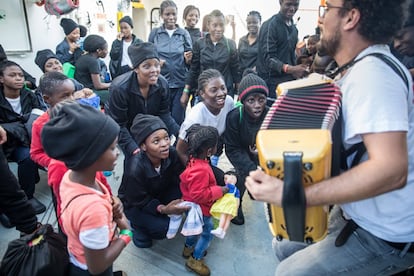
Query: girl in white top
x,y
211,111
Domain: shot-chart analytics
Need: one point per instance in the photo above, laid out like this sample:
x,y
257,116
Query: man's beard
x,y
330,46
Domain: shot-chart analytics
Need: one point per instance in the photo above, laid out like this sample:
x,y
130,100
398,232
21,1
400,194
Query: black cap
x,y
252,83
68,25
42,57
141,52
127,19
144,125
78,135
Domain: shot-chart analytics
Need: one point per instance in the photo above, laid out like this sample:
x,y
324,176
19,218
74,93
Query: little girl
x,y
88,216
199,185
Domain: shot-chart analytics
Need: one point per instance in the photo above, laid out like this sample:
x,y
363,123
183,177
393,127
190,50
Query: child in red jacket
x,y
199,185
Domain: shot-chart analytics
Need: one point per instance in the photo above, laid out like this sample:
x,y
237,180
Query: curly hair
x,y
380,19
94,42
206,76
51,82
200,139
54,111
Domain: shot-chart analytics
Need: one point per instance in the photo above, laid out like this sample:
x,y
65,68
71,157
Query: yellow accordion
x,y
295,144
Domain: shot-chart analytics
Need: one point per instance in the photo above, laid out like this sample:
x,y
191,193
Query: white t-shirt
x,y
199,114
373,106
16,105
125,57
170,32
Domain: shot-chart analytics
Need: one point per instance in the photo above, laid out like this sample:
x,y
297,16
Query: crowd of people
x,y
72,123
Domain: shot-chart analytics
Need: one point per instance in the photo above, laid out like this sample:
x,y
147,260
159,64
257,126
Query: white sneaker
x,y
218,232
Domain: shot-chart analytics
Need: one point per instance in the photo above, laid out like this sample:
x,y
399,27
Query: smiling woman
x,y
142,90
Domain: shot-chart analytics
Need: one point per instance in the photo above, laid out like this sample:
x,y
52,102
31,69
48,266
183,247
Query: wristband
x,y
186,90
126,232
125,238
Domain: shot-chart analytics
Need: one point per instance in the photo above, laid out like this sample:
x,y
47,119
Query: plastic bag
x,y
41,253
93,101
69,70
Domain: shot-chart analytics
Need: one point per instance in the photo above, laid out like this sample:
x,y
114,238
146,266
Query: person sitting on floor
x,y
150,185
69,49
88,66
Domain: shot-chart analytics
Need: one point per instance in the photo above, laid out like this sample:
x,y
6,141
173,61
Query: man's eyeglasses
x,y
324,9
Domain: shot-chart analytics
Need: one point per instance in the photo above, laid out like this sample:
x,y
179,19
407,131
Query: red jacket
x,y
199,185
37,153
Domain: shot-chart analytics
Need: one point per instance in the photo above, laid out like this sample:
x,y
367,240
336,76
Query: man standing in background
x,y
276,61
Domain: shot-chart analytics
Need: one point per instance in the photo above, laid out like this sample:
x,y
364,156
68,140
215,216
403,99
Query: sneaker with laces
x,y
197,266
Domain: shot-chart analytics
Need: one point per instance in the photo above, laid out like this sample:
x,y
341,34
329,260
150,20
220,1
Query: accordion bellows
x,y
295,144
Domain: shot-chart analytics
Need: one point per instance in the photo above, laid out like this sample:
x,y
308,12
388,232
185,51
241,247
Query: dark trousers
x,y
27,170
177,111
152,226
13,200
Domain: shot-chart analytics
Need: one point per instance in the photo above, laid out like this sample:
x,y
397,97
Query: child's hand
x,y
117,208
122,222
230,179
224,189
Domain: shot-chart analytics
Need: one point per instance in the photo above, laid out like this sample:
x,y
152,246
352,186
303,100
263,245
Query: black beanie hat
x,y
127,19
141,52
68,25
42,57
144,125
252,83
78,135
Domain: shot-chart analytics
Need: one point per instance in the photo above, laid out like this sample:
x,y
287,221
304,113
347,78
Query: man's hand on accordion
x,y
298,71
264,187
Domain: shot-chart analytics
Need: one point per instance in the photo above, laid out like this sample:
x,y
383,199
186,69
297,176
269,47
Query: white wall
x,y
46,32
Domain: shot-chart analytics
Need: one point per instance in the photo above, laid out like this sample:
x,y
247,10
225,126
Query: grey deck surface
x,y
246,250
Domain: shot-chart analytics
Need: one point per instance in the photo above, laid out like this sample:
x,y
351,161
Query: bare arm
x,y
3,136
384,171
97,84
99,260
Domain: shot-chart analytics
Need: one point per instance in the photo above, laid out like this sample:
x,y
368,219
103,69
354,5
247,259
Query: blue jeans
x,y
177,111
362,254
201,242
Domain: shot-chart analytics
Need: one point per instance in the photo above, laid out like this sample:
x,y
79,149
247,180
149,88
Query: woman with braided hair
x,y
211,111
